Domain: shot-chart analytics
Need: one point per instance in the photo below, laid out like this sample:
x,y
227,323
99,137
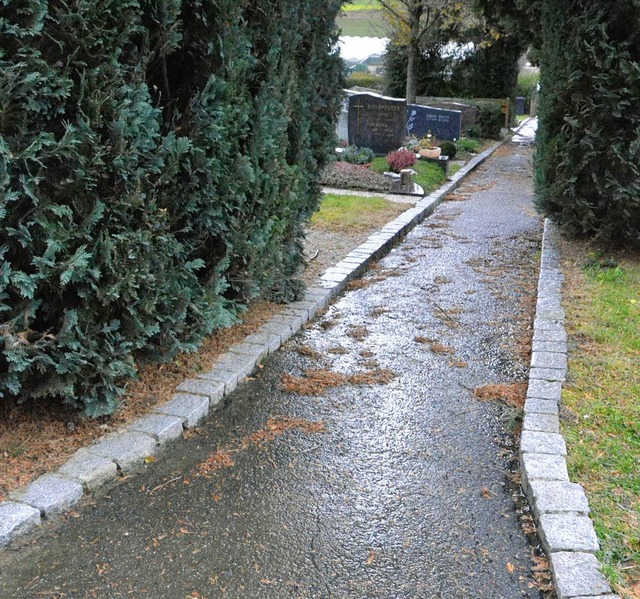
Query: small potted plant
x,y
429,147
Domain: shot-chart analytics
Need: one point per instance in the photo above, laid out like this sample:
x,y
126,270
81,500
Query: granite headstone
x,y
469,113
377,122
443,124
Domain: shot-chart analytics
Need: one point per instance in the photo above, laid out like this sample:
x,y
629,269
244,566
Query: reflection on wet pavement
x,y
396,489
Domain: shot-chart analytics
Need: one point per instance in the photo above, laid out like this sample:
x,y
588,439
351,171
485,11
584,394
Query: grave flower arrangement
x,y
429,147
429,142
401,159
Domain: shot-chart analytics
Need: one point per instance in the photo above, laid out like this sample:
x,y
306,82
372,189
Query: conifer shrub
x,y
157,163
588,148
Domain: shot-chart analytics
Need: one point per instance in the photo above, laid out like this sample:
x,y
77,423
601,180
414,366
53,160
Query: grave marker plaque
x,y
377,122
443,124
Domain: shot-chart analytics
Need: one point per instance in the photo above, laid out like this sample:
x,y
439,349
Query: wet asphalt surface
x,y
396,490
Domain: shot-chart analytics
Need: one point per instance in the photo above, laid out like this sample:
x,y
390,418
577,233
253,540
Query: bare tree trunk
x,y
416,10
412,56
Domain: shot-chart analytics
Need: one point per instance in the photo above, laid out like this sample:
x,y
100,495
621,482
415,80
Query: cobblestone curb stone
x,y
560,507
124,451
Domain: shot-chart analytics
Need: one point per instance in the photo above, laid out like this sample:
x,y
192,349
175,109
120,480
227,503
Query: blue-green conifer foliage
x,y
588,143
158,159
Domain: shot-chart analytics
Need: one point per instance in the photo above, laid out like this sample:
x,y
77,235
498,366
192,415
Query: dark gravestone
x,y
520,105
469,113
377,122
443,124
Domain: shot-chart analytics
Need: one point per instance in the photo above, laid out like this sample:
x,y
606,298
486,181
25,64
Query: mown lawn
x,y
352,213
603,399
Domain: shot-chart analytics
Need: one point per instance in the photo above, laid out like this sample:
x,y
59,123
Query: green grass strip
x,y
603,394
354,213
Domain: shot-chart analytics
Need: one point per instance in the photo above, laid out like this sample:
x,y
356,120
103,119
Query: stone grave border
x,y
559,506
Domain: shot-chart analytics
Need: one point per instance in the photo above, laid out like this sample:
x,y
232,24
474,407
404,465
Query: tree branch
x,y
387,6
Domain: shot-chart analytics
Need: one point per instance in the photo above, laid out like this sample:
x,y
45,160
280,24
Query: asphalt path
x,y
395,482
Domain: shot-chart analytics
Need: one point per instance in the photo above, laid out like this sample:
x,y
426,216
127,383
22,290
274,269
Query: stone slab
x,y
257,351
549,360
566,532
190,408
310,306
544,466
536,442
577,574
534,405
127,449
242,364
550,335
318,295
546,423
332,276
212,389
551,497
296,317
51,494
270,340
163,429
548,324
91,470
16,519
283,330
547,308
558,347
335,287
548,374
544,389
226,377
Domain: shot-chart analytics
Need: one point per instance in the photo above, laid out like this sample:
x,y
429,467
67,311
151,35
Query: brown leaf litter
x,y
440,348
512,394
380,275
358,332
275,426
315,382
308,352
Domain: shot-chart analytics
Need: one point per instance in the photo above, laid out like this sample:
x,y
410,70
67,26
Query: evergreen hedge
x,y
157,162
588,145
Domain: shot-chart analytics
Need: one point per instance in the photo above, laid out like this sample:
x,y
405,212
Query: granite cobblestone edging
x,y
560,507
98,465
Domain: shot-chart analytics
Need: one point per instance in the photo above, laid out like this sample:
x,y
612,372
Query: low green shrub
x,y
449,149
358,155
468,144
